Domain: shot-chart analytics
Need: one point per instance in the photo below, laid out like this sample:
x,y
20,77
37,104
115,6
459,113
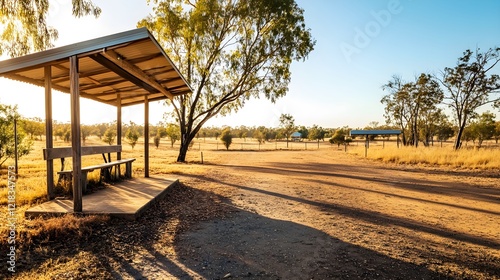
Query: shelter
x,y
367,133
122,69
296,136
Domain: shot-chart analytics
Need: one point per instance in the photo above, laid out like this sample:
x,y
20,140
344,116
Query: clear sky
x,y
360,45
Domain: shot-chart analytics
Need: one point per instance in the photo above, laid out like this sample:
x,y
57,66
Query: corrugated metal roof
x,y
375,132
131,63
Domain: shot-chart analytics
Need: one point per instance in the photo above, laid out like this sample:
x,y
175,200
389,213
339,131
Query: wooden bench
x,y
105,168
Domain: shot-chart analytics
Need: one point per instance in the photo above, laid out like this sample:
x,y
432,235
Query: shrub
x,y
226,138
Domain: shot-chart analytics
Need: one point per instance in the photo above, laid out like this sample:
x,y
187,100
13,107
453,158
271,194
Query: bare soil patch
x,y
294,215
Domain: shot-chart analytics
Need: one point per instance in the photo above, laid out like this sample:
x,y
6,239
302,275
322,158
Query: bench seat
x,y
105,171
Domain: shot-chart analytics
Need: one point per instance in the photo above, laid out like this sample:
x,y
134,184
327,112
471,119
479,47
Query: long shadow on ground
x,y
250,246
194,233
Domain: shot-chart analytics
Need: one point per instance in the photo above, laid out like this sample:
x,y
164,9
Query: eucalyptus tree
x,y
229,52
408,102
287,125
316,133
397,110
25,26
470,86
484,127
424,97
7,135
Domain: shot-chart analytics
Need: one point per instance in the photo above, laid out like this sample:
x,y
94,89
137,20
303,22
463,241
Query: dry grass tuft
x,y
49,229
485,158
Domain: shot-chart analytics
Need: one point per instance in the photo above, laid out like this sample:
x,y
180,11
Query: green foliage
x,y
340,137
469,86
259,136
132,136
109,136
85,132
173,132
157,139
7,139
33,127
409,104
483,128
444,129
316,133
226,138
287,125
496,135
229,51
67,136
304,132
25,27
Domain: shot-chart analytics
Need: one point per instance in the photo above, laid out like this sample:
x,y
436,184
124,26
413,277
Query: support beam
x,y
49,131
118,128
146,137
76,147
136,71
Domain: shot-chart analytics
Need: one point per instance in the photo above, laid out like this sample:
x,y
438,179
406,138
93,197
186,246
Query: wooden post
x,y
76,147
49,141
367,143
146,137
118,130
16,166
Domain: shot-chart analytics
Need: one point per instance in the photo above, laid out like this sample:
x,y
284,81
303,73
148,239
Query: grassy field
x,y
31,185
484,158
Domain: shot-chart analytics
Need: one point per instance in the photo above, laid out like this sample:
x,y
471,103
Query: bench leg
x,y
106,174
128,170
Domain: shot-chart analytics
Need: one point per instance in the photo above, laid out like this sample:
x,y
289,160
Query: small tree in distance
x,y
132,137
483,128
157,138
226,138
7,150
287,124
174,133
109,136
339,137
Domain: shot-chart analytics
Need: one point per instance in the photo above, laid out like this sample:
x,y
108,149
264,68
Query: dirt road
x,y
303,215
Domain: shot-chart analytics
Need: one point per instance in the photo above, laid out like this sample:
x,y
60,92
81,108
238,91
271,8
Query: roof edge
x,y
67,51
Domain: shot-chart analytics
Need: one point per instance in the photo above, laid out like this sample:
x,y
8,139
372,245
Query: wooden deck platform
x,y
127,199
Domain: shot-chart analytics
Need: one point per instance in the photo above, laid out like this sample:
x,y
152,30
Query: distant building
x,y
296,136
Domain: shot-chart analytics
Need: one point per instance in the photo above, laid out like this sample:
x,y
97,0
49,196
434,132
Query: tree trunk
x,y
461,128
415,133
183,151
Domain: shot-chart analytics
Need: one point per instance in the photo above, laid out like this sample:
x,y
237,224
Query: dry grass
x,y
484,158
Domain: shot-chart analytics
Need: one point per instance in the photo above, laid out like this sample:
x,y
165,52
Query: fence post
x,y
15,147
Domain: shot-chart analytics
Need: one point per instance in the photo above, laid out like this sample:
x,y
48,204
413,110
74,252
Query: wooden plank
x,y
136,71
65,152
76,147
49,141
99,166
146,137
